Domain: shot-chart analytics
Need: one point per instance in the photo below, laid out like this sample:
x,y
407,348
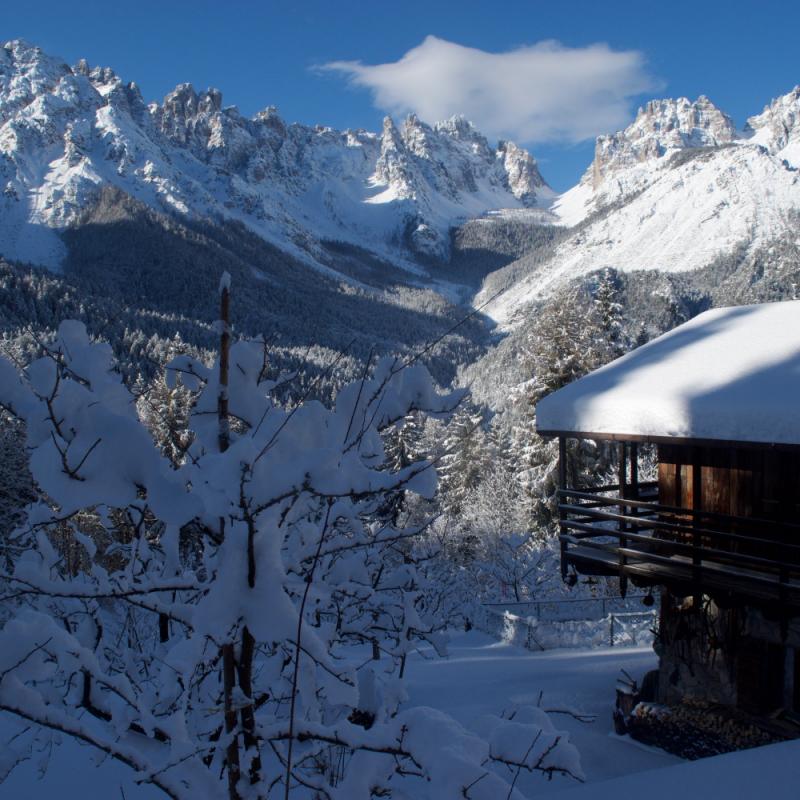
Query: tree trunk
x,y
224,358
232,750
245,672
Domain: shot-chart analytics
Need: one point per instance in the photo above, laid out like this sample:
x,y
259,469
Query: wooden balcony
x,y
692,552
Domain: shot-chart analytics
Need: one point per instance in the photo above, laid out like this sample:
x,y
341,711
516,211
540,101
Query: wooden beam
x,y
682,441
562,485
623,526
697,542
634,470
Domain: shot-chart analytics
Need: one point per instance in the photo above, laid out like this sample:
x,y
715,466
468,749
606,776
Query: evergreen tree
x,y
608,311
403,446
465,458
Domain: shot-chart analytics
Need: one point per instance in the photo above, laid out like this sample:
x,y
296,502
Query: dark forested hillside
x,y
131,270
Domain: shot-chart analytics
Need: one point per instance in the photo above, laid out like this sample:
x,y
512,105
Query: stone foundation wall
x,y
731,656
696,649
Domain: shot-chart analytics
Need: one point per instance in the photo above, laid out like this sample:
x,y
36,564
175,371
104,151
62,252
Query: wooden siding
x,y
743,483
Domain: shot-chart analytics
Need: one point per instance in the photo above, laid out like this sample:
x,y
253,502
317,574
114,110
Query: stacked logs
x,y
694,729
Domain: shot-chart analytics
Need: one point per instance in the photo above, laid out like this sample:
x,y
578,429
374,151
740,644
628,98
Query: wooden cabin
x,y
715,403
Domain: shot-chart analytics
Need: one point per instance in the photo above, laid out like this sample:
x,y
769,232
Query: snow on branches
x,y
233,625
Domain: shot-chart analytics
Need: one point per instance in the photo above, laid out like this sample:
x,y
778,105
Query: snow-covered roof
x,y
729,374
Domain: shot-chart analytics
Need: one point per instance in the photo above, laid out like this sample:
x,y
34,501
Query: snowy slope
x,y
674,191
65,131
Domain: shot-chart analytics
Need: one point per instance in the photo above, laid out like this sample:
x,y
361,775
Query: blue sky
x,y
268,53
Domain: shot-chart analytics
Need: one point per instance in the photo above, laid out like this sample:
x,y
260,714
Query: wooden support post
x,y
634,493
623,493
697,542
562,485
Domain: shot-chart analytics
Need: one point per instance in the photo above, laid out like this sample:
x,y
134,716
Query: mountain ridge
x,y
680,187
66,130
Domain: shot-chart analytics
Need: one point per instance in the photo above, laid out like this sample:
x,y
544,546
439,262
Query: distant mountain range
x,y
66,131
420,205
675,191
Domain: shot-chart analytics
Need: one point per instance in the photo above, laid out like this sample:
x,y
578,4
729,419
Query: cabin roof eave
x,y
685,441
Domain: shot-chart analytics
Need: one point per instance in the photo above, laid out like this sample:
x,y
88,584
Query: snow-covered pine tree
x,y
403,444
17,489
165,411
465,454
573,335
608,310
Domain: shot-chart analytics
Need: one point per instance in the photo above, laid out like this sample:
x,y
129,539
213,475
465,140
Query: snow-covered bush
x,y
192,617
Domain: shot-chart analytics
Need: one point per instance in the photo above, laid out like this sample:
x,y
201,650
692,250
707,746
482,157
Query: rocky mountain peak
x,y
778,125
416,136
26,72
390,136
66,131
393,167
197,119
270,120
661,126
459,127
523,176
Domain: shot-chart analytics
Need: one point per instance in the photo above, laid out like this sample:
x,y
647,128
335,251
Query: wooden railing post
x,y
697,542
623,509
562,485
690,547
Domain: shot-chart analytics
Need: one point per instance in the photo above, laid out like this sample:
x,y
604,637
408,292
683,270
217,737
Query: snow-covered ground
x,y
772,771
481,676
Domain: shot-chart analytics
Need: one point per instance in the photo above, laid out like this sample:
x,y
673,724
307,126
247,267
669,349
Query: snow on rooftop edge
x,y
731,374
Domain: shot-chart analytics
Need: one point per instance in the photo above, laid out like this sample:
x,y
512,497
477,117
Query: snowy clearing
x,y
480,677
483,676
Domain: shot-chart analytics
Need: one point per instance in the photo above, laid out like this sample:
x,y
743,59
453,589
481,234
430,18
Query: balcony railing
x,y
692,551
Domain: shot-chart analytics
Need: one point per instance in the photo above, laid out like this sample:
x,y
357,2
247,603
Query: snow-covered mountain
x,y
677,189
66,131
659,127
777,127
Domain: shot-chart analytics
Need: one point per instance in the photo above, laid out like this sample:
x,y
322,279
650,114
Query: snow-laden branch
x,y
196,621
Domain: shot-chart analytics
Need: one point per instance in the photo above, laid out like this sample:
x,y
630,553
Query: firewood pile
x,y
694,729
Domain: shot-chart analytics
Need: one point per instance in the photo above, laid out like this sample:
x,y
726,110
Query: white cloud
x,y
544,92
